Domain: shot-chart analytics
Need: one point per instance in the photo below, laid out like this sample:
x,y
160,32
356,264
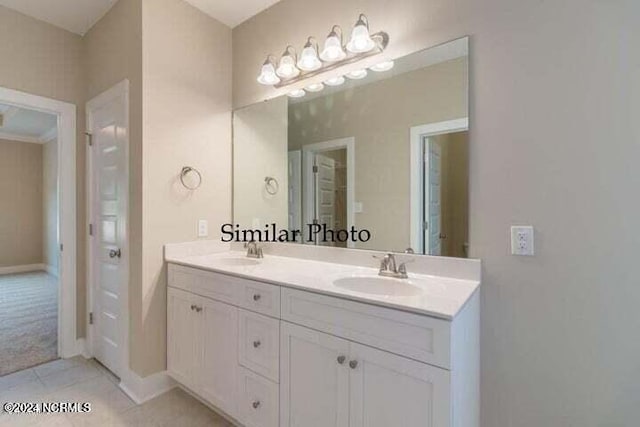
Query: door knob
x,y
353,364
256,404
256,344
115,253
256,297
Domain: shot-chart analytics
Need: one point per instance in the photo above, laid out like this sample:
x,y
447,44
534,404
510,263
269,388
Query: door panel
x,y
218,373
433,203
314,386
388,390
325,193
183,332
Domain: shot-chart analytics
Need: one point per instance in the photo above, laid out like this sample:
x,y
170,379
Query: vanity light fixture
x,y
309,60
298,93
287,68
268,72
309,63
333,50
315,87
357,74
361,41
382,66
335,81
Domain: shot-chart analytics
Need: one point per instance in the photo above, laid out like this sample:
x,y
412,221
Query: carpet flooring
x,y
28,320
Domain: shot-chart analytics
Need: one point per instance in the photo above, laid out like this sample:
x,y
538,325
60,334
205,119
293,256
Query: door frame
x,y
417,186
308,152
68,343
120,89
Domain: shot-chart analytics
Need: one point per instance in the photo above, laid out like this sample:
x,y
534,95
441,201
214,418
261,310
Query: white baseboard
x,y
141,389
81,348
22,268
51,270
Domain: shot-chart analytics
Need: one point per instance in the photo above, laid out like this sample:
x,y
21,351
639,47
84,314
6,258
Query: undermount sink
x,y
238,262
378,286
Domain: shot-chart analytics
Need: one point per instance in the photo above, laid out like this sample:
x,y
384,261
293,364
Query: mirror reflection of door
x,y
295,190
432,197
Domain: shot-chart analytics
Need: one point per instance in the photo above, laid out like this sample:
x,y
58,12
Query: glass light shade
x,y
315,87
287,68
360,39
309,60
357,74
382,66
335,81
333,50
298,93
268,75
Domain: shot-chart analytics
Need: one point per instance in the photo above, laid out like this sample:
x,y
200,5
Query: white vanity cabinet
x,y
273,356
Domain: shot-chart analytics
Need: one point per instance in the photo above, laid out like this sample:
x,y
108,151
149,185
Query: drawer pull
x,y
256,344
341,359
353,364
256,404
256,297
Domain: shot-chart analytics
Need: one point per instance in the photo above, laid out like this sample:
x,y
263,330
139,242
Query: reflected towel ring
x,y
271,185
186,170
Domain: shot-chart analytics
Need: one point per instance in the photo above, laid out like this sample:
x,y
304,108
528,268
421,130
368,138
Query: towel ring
x,y
271,185
186,171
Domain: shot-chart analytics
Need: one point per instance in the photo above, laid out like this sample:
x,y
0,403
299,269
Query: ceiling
x,y
24,125
78,16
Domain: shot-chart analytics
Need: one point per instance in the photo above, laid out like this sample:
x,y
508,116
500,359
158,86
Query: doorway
x,y
108,191
38,225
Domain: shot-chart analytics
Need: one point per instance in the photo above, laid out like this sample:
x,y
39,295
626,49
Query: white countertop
x,y
441,297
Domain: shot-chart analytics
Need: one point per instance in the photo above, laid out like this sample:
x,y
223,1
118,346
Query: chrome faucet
x,y
253,250
389,268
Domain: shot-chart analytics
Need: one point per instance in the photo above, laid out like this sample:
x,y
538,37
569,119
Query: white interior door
x,y
325,174
295,190
432,198
108,127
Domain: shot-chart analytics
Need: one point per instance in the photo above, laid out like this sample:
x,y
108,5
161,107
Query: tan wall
x,y
380,116
187,121
113,52
21,195
552,145
260,150
50,248
44,60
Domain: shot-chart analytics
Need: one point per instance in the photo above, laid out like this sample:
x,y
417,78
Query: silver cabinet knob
x,y
256,404
115,253
341,359
353,364
256,344
256,297
193,307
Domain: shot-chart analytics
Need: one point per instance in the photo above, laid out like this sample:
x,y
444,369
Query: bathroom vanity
x,y
284,341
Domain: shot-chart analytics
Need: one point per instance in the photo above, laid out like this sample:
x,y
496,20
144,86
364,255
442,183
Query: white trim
x,y
51,270
141,390
20,138
66,114
307,184
119,90
416,185
48,135
12,269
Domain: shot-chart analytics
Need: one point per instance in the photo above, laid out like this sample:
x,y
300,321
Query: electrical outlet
x,y
203,228
522,240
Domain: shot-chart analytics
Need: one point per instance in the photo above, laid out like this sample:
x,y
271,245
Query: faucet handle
x,y
402,268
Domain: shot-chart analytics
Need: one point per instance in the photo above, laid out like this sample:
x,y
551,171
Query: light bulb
x,y
268,74
360,39
315,87
357,74
383,66
335,81
298,93
309,58
333,50
287,68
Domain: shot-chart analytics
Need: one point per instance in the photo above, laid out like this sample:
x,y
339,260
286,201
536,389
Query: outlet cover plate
x,y
522,240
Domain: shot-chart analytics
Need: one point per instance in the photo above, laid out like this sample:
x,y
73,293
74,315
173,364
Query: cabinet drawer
x,y
260,297
258,400
206,283
422,338
259,338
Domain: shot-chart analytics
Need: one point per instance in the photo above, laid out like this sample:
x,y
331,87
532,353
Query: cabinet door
x,y
183,332
390,390
219,366
314,378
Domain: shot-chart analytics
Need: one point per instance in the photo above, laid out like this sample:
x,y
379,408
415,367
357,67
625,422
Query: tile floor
x,y
80,380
